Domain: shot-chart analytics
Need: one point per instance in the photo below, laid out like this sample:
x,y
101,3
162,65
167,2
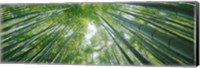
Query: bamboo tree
x,y
182,11
54,45
186,35
24,44
163,38
18,58
115,34
30,26
61,50
123,52
141,58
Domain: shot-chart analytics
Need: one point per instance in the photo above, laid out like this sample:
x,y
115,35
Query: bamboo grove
x,y
99,33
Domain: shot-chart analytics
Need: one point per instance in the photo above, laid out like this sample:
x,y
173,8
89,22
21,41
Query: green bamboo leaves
x,y
102,33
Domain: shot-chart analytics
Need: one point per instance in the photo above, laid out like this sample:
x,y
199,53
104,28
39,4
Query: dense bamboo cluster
x,y
99,33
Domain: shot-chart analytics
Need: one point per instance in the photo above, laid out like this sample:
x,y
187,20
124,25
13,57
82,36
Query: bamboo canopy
x,y
99,33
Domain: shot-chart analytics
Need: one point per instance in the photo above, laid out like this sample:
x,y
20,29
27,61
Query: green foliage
x,y
98,33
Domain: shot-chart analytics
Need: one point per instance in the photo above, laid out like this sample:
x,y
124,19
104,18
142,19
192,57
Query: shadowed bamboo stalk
x,y
64,46
138,55
122,51
177,31
177,9
181,46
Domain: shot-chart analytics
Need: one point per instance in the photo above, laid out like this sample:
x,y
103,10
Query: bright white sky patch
x,y
95,55
109,43
69,33
91,30
126,36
